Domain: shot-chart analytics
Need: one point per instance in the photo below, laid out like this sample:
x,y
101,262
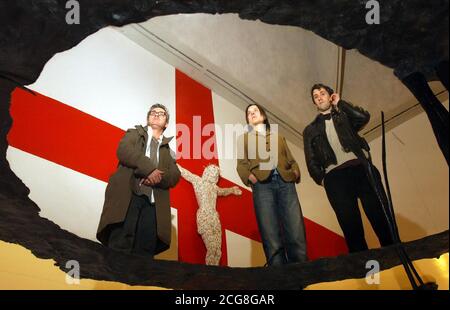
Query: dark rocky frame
x,y
412,39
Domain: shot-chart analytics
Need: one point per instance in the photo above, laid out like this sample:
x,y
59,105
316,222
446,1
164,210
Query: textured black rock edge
x,y
413,37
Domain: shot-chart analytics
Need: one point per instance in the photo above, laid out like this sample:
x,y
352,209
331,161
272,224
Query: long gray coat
x,y
134,164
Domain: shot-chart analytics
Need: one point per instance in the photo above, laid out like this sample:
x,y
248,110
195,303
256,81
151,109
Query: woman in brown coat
x,y
266,164
136,215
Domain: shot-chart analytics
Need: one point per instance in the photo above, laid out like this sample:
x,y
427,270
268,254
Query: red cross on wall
x,y
91,150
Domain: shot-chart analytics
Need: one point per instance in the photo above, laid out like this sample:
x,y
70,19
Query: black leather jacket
x,y
348,121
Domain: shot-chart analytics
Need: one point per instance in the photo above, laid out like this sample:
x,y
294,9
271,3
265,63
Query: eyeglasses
x,y
157,114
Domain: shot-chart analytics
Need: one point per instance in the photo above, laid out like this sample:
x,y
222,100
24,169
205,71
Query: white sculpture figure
x,y
208,222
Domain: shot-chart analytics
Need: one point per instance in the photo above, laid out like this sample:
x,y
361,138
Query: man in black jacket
x,y
336,157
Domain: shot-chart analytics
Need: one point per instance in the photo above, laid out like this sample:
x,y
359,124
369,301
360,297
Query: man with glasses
x,y
136,215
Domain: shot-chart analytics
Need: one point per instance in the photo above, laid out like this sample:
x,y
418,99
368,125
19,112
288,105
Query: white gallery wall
x,y
418,177
109,77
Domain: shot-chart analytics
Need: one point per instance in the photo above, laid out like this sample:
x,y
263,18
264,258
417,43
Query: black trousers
x,y
344,187
138,233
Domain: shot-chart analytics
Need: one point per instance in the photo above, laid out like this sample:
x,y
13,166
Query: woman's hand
x,y
253,179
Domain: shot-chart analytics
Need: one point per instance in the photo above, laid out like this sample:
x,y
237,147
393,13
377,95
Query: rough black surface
x,y
412,37
21,224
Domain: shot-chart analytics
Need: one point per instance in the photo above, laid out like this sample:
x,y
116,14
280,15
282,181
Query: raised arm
x,y
357,116
188,176
229,191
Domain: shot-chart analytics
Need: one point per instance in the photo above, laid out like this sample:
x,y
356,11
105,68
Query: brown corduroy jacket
x,y
250,160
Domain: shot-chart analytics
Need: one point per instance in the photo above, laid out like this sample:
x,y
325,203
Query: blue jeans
x,y
280,221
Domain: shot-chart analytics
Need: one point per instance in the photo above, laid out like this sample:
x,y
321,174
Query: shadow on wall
x,y
257,258
172,253
409,231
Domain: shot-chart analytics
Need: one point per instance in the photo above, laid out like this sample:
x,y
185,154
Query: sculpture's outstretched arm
x,y
229,191
188,176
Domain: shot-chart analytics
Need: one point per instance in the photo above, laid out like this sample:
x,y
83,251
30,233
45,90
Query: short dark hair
x,y
161,107
319,86
263,113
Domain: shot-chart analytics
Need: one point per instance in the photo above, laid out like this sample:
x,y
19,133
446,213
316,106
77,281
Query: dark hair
x,y
263,113
319,86
155,106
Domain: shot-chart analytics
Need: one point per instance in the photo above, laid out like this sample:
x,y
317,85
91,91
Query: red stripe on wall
x,y
322,242
71,138
192,99
61,134
236,213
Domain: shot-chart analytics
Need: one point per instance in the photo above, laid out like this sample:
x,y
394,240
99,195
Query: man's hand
x,y
335,99
253,179
154,178
297,174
